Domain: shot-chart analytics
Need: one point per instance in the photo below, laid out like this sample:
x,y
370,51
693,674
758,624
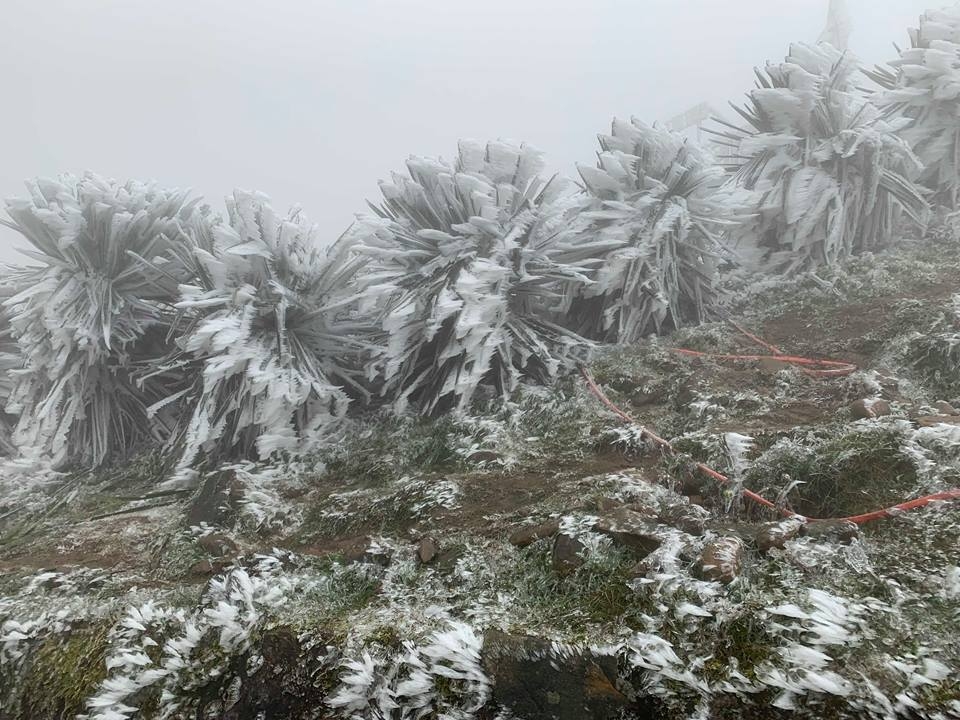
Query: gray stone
x,y
427,550
685,516
534,680
218,545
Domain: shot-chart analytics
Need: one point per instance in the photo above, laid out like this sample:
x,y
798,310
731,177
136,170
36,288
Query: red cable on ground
x,y
811,366
830,368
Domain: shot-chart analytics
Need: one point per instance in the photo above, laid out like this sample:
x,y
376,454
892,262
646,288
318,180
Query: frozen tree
x,y
923,86
467,272
653,212
93,314
263,334
9,363
833,177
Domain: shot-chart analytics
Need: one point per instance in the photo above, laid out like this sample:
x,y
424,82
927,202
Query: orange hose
x,y
811,366
759,499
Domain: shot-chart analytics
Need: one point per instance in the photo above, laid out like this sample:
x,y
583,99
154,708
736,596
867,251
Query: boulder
x,y
218,545
536,680
945,408
869,408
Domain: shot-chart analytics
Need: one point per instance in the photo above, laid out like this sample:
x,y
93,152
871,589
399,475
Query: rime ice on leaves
x,y
467,273
832,176
263,327
922,86
95,314
652,214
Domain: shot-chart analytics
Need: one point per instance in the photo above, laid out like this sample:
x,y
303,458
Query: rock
x,y
721,560
427,550
842,530
533,680
567,554
364,552
869,408
218,545
484,456
630,529
530,534
945,408
775,534
202,568
285,682
685,516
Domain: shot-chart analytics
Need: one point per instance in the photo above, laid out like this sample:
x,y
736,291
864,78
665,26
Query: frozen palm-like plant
x,y
90,318
263,333
9,362
467,271
833,177
654,209
923,86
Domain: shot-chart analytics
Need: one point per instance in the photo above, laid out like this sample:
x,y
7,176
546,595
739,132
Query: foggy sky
x,y
312,101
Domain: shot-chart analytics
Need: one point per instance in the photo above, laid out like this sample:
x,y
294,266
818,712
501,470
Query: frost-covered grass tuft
x,y
179,661
440,678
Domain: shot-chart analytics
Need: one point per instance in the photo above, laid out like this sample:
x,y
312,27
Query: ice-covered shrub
x,y
9,362
264,335
923,86
466,273
94,314
833,177
653,210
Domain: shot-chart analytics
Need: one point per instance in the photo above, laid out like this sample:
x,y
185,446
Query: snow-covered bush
x,y
263,335
653,209
9,362
467,269
923,86
94,314
833,177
